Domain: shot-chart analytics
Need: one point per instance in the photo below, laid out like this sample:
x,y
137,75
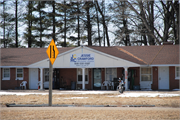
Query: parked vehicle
x,y
121,85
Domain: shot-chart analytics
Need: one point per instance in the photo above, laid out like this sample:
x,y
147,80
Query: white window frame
x,y
146,74
176,77
46,74
20,78
86,82
6,78
115,76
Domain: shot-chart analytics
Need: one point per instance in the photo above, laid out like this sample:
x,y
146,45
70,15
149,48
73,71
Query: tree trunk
x,y
151,22
29,25
98,26
104,24
54,27
4,24
145,22
167,19
41,45
64,25
176,21
88,25
16,24
78,24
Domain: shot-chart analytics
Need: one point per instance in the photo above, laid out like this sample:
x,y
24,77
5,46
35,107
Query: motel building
x,y
92,68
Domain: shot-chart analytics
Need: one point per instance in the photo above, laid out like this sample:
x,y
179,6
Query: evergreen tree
x,y
7,25
40,24
29,19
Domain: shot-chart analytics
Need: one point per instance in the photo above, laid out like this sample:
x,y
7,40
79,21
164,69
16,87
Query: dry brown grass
x,y
163,109
74,113
99,99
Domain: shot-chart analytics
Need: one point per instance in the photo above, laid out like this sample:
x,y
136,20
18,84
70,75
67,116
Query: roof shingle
x,y
143,55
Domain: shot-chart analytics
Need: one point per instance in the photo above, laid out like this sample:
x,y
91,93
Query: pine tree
x,y
40,23
29,19
7,25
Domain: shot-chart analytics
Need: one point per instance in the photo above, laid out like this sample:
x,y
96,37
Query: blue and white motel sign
x,y
82,60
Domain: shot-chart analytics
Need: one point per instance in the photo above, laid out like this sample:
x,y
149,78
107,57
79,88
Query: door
x,y
131,74
163,78
56,84
97,79
33,78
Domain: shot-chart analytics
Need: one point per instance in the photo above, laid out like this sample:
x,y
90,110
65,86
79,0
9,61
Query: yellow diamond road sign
x,y
52,51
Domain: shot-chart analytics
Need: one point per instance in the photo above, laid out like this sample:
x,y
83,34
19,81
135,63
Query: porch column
x,y
83,78
126,77
41,78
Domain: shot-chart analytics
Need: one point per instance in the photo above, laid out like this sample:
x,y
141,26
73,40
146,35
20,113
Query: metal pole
x,y
50,83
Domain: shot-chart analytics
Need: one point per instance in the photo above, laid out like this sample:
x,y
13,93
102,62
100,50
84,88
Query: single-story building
x,y
87,67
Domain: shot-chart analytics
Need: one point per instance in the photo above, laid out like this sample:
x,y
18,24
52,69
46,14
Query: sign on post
x,y
52,53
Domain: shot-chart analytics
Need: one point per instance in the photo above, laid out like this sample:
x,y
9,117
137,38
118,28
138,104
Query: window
x,y
19,74
177,72
111,73
79,79
6,74
146,74
46,74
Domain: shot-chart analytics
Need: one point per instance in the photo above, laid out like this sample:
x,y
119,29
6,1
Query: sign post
x,y
52,53
50,83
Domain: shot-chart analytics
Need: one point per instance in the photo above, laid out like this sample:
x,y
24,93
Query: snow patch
x,y
77,98
21,93
146,95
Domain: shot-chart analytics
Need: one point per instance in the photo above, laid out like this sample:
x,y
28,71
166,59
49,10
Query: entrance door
x,y
56,84
97,79
131,78
163,77
33,78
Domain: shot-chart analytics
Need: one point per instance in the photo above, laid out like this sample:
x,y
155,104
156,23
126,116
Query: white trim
x,y
44,75
20,78
164,65
81,82
13,66
141,82
105,69
6,78
177,78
